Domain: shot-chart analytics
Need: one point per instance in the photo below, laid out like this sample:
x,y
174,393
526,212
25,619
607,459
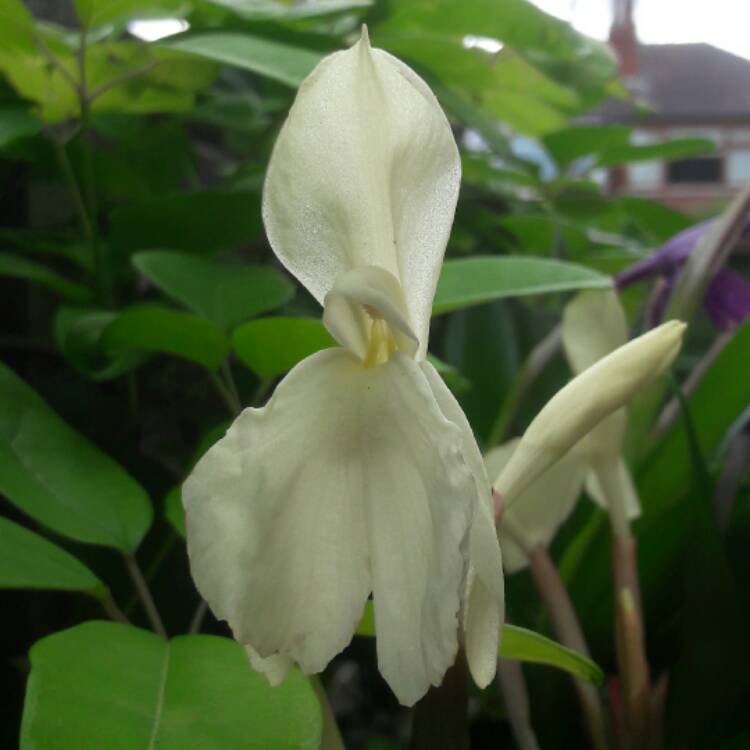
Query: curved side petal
x,y
484,606
275,516
420,507
541,508
365,172
593,326
627,490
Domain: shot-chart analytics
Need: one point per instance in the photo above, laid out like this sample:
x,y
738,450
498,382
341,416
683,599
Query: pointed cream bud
x,y
586,400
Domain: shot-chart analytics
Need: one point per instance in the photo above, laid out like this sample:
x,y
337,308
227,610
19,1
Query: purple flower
x,y
727,298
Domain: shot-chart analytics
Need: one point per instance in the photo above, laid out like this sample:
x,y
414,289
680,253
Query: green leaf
x,y
29,561
526,645
78,334
679,148
106,685
174,511
99,12
471,281
226,294
198,222
568,144
158,329
522,645
276,60
545,72
279,10
59,478
16,123
272,346
22,268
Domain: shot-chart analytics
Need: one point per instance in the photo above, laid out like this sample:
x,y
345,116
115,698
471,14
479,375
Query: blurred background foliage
x,y
142,306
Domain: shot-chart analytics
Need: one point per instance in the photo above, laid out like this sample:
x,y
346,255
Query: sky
x,y
722,23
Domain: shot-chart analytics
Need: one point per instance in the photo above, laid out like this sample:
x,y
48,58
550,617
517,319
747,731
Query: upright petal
x,y
626,488
484,605
540,509
365,172
593,326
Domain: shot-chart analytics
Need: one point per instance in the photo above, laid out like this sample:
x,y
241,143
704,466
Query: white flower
x,y
361,474
585,403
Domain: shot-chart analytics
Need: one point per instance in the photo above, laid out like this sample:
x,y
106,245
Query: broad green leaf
x,y
29,561
657,221
106,685
276,60
545,71
680,148
471,281
198,222
59,478
272,346
523,645
99,12
279,10
78,333
568,144
22,268
157,329
227,294
17,123
174,511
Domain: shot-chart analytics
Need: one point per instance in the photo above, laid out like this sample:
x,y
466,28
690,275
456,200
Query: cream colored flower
x,y
361,474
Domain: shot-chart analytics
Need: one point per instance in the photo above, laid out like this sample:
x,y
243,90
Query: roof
x,y
690,83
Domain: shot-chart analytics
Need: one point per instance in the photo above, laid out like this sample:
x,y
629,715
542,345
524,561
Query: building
x,y
681,91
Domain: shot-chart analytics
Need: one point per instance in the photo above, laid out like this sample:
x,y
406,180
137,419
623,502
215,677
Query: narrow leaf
x,y
472,281
37,273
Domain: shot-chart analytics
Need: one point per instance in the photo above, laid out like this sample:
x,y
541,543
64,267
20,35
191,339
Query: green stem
x,y
441,717
111,607
530,370
229,399
144,594
80,205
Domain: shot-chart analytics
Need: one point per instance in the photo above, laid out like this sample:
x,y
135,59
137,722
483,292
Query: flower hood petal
x,y
365,172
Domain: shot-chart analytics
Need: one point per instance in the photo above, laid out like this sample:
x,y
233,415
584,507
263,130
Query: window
x,y
645,175
738,167
698,171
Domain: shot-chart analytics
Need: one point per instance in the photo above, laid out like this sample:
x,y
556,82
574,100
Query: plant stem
x,y
630,643
128,75
196,621
111,607
144,594
512,685
101,272
440,719
530,370
232,404
568,630
69,175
